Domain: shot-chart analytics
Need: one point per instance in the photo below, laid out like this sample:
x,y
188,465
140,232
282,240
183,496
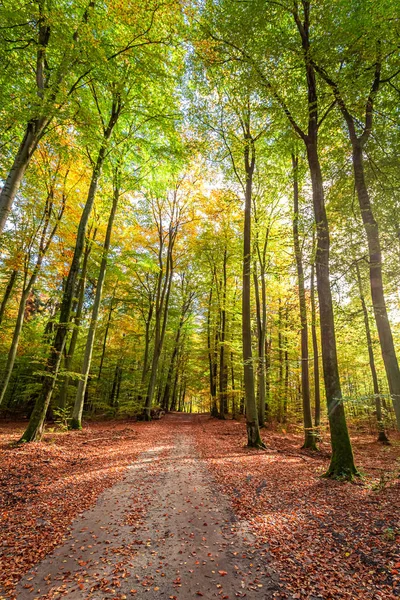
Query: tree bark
x,y
223,373
7,293
382,437
76,421
77,321
46,238
317,391
253,431
309,435
35,428
342,461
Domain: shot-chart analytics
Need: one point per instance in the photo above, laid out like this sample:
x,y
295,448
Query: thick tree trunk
x,y
35,428
7,293
382,437
33,133
342,461
376,281
309,435
76,421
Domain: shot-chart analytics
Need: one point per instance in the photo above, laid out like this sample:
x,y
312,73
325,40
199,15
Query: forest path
x,y
164,531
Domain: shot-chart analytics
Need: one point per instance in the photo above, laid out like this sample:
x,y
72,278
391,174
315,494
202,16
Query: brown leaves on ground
x,y
45,485
327,539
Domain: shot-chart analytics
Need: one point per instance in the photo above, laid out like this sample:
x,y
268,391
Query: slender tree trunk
x,y
376,281
161,317
76,421
309,436
286,363
14,343
280,363
167,389
223,375
104,344
382,437
314,337
35,428
46,238
253,432
268,348
211,359
261,353
7,293
75,332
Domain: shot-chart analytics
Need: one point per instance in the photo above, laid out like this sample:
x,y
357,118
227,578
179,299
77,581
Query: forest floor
x,y
180,509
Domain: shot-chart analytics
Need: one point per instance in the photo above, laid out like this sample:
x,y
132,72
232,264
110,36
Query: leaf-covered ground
x,y
44,486
328,539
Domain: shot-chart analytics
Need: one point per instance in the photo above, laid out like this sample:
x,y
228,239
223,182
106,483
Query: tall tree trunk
x,y
46,237
223,373
314,337
309,436
77,321
76,421
382,437
342,461
33,133
261,352
211,359
7,293
253,431
280,363
161,314
376,282
371,228
35,427
268,351
286,363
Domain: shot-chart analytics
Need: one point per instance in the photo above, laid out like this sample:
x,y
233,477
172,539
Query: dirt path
x,y
165,531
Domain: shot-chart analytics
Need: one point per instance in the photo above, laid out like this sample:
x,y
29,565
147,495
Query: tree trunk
x,y
211,360
342,461
75,332
253,432
382,437
33,133
309,435
317,391
261,390
35,428
376,281
223,374
76,421
7,293
161,314
45,239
